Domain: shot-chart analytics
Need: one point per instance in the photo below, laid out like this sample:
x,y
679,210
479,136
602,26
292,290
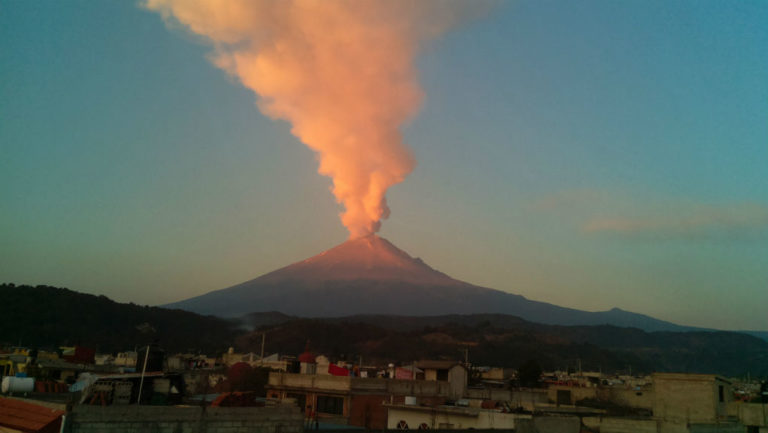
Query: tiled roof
x,y
27,417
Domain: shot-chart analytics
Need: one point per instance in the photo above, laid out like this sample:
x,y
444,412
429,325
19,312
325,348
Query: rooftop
x,y
25,416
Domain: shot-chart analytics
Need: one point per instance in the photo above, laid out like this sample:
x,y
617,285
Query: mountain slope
x,y
367,258
501,340
369,275
44,316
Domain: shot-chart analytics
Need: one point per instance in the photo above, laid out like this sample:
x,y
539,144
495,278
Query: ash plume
x,y
341,72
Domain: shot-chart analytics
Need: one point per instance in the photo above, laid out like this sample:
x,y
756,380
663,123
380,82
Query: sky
x,y
592,154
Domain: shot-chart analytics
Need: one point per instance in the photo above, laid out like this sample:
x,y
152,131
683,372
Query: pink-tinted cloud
x,y
702,221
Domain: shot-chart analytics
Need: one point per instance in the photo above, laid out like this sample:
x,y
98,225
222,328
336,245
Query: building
x,y
356,401
691,398
454,373
413,416
496,373
273,361
637,398
126,359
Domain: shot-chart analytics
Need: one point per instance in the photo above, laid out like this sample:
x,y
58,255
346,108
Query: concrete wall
x,y
673,427
637,399
416,388
692,398
577,393
356,384
549,424
731,427
751,414
174,419
412,418
498,373
498,394
457,380
310,381
528,399
640,425
454,418
620,425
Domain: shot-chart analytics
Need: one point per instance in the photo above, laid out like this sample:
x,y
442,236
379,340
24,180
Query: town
x,y
75,389
382,216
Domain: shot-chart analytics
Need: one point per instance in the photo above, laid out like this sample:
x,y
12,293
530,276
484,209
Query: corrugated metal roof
x,y
26,417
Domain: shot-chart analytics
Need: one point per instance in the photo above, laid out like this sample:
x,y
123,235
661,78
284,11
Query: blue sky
x,y
589,154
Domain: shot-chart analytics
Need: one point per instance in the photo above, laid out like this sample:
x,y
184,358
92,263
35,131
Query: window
x,y
442,375
563,396
332,405
301,400
721,393
402,425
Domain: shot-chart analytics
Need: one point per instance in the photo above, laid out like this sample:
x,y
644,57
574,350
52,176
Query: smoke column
x,y
341,72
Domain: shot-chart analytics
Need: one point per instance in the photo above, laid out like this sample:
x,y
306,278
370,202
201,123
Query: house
x,y
126,359
691,398
454,373
496,373
355,401
78,354
414,416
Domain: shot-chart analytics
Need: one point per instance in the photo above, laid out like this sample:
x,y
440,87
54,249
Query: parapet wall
x,y
419,388
176,419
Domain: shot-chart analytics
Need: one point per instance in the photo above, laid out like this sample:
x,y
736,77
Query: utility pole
x,y
466,355
143,371
263,339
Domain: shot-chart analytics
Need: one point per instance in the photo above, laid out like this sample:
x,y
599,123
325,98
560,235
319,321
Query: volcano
x,y
369,275
369,258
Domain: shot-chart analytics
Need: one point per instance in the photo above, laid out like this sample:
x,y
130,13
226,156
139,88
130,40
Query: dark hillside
x,y
501,340
44,316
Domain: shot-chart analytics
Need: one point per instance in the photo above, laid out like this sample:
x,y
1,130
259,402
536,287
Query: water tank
x,y
155,358
17,384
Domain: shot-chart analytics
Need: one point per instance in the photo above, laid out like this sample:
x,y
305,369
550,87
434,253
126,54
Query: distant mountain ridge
x,y
369,275
47,317
502,340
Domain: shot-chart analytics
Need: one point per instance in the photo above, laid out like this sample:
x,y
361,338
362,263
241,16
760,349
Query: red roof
x,y
307,357
29,417
82,355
